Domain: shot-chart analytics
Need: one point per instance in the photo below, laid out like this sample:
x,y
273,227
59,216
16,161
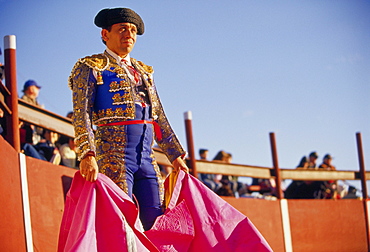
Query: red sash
x,y
157,129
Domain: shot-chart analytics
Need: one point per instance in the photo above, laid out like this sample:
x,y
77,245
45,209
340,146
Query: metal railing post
x,y
363,184
190,143
279,192
12,121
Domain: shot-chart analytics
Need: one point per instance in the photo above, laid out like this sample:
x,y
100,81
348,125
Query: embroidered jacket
x,y
109,97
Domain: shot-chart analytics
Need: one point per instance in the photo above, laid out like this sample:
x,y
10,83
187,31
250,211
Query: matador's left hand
x,y
179,164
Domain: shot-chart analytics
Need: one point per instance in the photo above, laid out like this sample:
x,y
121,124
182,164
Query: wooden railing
x,y
62,125
45,119
268,172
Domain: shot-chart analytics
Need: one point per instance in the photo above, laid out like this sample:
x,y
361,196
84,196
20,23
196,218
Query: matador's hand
x,y
89,168
179,164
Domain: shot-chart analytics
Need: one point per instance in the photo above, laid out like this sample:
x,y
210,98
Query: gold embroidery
x,y
84,89
118,99
99,62
104,116
122,85
121,73
106,146
146,68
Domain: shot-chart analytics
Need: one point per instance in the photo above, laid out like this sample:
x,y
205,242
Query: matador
x,y
117,115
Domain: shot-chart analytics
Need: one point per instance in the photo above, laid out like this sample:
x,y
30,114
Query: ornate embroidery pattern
x,y
108,115
178,220
115,86
159,177
121,99
110,154
84,85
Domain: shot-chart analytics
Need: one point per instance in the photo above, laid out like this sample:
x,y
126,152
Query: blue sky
x,y
246,68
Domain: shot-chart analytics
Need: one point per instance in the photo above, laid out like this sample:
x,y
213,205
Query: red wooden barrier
x,y
327,225
315,225
12,232
47,185
265,215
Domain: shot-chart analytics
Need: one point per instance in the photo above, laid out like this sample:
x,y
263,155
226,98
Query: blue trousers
x,y
30,150
124,153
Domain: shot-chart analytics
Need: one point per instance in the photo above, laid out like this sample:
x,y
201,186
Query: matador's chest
x,y
114,95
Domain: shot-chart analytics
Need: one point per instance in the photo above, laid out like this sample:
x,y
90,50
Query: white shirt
x,y
121,63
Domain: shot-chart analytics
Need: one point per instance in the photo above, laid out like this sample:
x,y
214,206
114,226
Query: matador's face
x,y
121,38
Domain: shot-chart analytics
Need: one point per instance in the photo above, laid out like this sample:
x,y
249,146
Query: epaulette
x,y
146,68
99,62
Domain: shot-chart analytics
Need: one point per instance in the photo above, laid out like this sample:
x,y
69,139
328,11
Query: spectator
x,y
326,163
263,186
221,156
293,189
303,164
47,146
67,151
208,179
312,185
31,151
70,114
203,154
30,92
45,149
225,189
329,189
312,160
351,193
313,189
227,185
237,187
28,132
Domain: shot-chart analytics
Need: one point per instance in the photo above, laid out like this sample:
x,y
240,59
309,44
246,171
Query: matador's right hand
x,y
89,168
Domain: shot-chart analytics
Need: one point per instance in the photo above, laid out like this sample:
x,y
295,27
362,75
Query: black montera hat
x,y
108,17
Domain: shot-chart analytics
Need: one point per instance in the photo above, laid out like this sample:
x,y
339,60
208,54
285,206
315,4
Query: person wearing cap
x,y
117,94
329,188
207,179
326,163
304,189
30,92
312,160
29,133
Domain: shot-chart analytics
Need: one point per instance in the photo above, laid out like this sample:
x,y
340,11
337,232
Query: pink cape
x,y
99,216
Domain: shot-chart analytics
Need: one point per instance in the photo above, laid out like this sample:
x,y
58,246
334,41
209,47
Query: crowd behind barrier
x,y
228,185
40,138
57,146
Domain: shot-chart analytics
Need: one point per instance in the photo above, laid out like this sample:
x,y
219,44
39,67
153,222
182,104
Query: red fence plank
x,y
12,232
327,225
